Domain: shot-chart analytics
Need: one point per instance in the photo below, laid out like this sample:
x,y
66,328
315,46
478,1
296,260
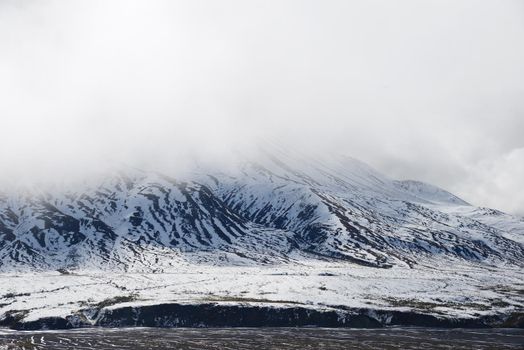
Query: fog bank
x,y
428,90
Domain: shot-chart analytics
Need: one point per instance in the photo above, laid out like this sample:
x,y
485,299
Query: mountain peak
x,y
429,192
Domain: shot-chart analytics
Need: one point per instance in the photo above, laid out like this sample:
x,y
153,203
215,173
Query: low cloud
x,y
430,90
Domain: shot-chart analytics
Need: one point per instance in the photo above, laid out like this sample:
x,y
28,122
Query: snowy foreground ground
x,y
453,290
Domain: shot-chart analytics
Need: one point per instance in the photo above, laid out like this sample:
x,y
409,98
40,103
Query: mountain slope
x,y
344,209
283,207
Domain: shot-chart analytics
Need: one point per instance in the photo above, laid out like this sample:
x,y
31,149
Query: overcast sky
x,y
427,90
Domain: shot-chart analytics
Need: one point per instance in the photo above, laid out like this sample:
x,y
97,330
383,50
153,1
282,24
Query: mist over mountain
x,y
420,91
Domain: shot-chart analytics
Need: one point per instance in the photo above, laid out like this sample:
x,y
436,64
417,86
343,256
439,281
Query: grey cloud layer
x,y
430,90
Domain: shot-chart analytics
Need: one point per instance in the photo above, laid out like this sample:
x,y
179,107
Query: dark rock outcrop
x,y
221,315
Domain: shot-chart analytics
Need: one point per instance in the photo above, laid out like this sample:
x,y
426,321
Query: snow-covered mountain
x,y
282,207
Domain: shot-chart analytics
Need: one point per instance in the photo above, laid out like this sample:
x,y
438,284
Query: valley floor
x,y
449,290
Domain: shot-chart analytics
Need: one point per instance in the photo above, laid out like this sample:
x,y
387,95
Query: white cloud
x,y
495,180
420,89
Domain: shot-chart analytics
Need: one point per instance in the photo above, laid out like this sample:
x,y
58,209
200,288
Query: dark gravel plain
x,y
264,338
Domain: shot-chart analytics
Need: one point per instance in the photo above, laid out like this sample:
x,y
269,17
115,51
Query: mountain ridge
x,y
279,208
